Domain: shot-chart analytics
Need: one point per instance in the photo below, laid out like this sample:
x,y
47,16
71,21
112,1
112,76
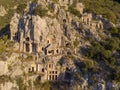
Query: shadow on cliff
x,y
117,1
5,31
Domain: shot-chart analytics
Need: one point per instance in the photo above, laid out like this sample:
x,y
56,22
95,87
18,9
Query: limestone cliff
x,y
48,42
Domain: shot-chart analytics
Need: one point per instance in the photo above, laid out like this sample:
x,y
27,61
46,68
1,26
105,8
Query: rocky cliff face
x,y
50,39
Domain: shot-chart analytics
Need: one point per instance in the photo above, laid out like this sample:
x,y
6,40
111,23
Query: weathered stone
x,y
14,25
3,67
2,11
80,7
8,86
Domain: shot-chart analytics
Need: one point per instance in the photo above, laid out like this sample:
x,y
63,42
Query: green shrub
x,y
4,25
2,46
95,51
20,8
28,59
106,54
76,43
112,43
74,11
55,1
40,11
103,51
115,73
42,86
20,83
74,3
114,30
34,1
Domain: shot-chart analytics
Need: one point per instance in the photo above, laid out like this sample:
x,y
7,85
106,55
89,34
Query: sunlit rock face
x,y
2,11
37,30
3,67
52,47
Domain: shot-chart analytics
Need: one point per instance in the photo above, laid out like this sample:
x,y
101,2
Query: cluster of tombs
x,y
47,72
48,69
87,19
30,41
36,41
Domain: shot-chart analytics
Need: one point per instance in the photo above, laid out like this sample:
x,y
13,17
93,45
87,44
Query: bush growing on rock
x,y
20,8
40,11
74,11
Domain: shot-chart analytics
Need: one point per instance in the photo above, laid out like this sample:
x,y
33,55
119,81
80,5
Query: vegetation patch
x,y
40,11
20,83
74,11
21,8
108,8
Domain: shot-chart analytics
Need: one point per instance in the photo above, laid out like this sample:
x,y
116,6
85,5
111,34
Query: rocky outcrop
x,y
14,24
2,11
3,67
